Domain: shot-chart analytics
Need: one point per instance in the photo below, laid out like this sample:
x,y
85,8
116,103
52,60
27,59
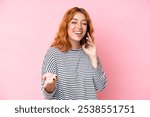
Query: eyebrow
x,y
77,19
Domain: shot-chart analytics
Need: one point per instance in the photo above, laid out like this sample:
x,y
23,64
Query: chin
x,y
76,38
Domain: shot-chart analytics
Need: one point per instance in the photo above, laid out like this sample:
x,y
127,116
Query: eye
x,y
73,22
84,23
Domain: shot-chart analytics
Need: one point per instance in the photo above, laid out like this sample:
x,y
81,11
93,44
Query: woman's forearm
x,y
94,61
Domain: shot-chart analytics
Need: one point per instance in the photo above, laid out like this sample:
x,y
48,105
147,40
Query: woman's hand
x,y
50,82
90,50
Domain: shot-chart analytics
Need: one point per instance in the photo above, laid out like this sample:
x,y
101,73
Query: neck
x,y
75,45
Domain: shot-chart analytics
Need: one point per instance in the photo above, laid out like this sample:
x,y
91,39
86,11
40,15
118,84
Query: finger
x,y
43,77
44,85
88,37
46,82
54,75
83,46
55,79
89,43
49,81
46,75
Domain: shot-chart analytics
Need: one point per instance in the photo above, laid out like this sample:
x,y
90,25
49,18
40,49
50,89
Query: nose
x,y
79,26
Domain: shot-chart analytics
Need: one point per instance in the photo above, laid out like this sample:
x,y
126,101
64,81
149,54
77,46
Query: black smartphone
x,y
85,40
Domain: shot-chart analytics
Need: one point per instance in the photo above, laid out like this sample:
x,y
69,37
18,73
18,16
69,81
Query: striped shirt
x,y
77,77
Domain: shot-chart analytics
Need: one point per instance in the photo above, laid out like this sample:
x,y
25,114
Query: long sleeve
x,y
49,65
99,77
77,78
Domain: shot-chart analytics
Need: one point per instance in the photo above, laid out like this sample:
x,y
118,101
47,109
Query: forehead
x,y
79,16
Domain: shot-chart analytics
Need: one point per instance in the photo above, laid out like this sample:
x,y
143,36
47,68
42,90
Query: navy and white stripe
x,y
77,78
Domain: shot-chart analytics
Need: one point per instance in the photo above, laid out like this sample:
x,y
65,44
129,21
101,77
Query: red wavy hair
x,y
61,40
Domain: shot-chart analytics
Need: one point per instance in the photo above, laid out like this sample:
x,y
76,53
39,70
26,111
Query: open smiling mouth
x,y
78,33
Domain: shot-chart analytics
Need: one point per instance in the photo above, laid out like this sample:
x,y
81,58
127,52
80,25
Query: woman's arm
x,y
48,74
99,77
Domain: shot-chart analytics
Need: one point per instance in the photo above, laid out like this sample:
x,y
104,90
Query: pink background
x,y
122,33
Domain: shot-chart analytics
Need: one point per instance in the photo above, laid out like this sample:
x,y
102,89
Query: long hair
x,y
61,40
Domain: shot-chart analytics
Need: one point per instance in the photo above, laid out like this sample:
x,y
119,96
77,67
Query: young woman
x,y
71,69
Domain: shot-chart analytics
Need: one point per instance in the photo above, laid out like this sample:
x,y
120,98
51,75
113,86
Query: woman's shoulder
x,y
53,50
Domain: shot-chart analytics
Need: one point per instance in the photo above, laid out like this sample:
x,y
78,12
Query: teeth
x,y
78,32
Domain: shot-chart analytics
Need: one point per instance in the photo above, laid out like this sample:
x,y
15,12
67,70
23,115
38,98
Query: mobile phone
x,y
86,40
86,37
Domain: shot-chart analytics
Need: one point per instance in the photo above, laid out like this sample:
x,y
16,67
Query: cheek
x,y
85,28
70,28
69,31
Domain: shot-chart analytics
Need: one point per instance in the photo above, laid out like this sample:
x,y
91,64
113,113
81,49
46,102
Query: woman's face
x,y
77,27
